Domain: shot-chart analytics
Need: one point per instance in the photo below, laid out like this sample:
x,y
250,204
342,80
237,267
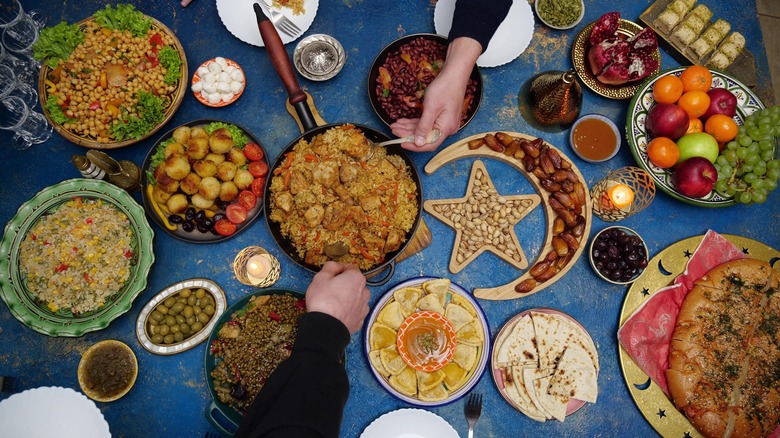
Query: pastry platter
x,y
579,58
655,406
460,150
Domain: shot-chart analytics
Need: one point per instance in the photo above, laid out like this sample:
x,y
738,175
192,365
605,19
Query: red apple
x,y
666,120
695,177
722,101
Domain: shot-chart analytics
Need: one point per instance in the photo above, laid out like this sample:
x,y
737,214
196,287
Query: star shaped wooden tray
x,y
527,283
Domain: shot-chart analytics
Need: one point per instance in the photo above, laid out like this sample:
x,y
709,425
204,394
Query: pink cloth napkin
x,y
647,333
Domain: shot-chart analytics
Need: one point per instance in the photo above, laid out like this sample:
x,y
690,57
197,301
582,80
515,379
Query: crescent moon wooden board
x,y
564,196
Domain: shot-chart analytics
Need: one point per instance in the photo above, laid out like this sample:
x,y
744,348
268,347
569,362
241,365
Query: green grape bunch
x,y
747,167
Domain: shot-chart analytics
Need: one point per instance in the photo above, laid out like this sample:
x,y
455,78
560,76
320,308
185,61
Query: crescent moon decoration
x,y
643,386
554,261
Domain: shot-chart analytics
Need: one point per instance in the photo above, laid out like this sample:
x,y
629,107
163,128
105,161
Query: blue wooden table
x,y
171,395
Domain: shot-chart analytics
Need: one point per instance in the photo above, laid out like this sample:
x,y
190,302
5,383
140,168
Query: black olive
x,y
189,214
199,216
187,226
613,251
175,219
238,392
217,217
222,204
202,228
208,223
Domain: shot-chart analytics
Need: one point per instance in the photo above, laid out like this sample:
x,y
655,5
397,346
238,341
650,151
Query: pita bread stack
x,y
436,296
546,360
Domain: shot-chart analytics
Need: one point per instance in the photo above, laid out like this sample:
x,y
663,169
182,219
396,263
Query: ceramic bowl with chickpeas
x,y
204,181
180,316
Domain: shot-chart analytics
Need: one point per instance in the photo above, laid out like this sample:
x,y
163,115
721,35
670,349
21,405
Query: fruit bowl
x,y
638,138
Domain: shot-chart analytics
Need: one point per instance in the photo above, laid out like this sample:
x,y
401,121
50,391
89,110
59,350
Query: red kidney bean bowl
x,y
404,68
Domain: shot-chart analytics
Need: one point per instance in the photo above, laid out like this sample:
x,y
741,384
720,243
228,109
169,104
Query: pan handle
x,y
281,62
214,422
388,270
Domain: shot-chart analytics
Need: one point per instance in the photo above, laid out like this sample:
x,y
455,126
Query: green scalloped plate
x,y
13,289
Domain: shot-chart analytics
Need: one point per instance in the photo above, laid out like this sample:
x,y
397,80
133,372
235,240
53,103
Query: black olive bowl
x,y
373,74
594,256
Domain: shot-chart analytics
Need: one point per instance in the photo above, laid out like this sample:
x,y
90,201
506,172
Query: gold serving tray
x,y
743,67
661,271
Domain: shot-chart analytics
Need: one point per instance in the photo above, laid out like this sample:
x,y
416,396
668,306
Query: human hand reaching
x,y
443,102
340,291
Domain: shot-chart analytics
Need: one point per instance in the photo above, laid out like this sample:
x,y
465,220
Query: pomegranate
x,y
615,61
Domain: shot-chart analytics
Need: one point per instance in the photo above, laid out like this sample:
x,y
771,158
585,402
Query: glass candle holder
x,y
621,193
254,266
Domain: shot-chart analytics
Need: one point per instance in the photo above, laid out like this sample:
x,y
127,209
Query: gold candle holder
x,y
621,193
254,266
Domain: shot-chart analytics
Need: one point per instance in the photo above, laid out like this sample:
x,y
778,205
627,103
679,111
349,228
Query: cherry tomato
x,y
236,213
258,186
258,168
247,199
224,227
253,151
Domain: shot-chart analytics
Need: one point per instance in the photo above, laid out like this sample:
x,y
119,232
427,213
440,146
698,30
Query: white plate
x,y
67,414
239,18
409,423
510,40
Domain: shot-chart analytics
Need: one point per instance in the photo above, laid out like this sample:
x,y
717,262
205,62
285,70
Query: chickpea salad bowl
x,y
112,79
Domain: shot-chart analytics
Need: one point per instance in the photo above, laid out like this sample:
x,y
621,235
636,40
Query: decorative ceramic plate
x,y
239,18
13,288
68,414
747,104
579,58
158,211
409,423
170,100
196,77
662,270
510,40
574,405
483,353
167,349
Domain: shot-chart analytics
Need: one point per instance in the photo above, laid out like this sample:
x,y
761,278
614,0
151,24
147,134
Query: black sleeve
x,y
478,19
306,394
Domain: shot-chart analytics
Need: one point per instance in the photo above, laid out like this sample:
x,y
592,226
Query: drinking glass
x,y
19,38
30,127
11,11
11,86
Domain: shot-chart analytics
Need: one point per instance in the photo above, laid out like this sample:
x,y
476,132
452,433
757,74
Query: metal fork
x,y
472,410
279,20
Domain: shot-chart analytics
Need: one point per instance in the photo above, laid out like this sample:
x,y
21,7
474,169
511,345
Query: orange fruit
x,y
695,125
695,103
663,152
722,127
697,78
667,89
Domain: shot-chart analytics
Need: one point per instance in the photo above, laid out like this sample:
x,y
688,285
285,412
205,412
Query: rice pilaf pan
x,y
323,193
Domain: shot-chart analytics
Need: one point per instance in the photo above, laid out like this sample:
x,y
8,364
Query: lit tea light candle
x,y
257,267
621,195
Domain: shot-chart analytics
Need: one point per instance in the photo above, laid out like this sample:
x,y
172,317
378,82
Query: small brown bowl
x,y
373,76
109,358
597,263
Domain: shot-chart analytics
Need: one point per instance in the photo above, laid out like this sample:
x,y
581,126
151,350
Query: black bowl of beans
x,y
618,255
404,68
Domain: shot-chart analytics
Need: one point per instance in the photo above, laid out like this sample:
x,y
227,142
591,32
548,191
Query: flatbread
x,y
572,332
549,345
555,405
519,346
575,377
515,389
529,375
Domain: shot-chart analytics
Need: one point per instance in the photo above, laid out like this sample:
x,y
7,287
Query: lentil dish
x,y
323,193
118,83
76,258
406,73
250,346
